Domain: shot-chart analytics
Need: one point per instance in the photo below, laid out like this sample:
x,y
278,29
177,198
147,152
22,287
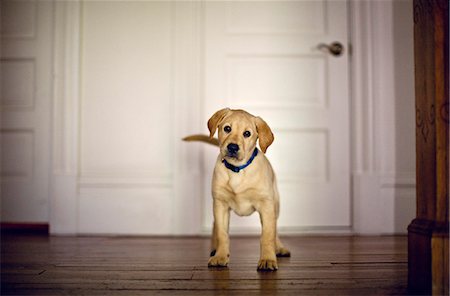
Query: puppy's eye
x,y
247,134
227,129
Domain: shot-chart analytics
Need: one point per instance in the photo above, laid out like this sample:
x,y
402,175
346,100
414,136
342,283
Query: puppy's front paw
x,y
218,261
267,265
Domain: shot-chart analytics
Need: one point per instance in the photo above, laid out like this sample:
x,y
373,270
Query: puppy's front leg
x,y
220,234
268,260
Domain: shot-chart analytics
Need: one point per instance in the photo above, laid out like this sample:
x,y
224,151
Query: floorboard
x,y
319,265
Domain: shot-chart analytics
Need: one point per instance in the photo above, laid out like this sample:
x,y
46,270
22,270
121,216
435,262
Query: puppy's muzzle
x,y
232,149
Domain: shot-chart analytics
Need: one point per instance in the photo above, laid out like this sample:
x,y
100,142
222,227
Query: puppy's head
x,y
238,134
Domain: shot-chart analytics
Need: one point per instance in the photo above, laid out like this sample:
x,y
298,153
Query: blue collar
x,y
237,169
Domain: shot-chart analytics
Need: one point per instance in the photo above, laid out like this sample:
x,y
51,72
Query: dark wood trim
x,y
428,227
25,228
427,253
419,259
428,232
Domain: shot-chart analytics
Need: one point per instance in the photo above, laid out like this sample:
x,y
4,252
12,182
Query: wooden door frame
x,y
428,252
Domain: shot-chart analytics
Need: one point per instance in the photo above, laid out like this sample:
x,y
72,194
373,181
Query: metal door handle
x,y
335,48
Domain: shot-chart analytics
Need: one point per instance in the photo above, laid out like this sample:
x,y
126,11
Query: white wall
x,y
404,159
383,116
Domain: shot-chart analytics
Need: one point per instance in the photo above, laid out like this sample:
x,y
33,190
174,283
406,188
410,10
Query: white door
x,y
26,88
263,57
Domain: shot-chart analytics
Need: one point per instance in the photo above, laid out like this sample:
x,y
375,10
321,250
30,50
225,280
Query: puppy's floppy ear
x,y
215,120
264,133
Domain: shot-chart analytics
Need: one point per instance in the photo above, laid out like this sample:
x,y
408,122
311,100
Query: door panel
x,y
126,131
26,88
263,57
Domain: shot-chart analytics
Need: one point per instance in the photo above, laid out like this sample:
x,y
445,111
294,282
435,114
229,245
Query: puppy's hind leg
x,y
213,242
281,250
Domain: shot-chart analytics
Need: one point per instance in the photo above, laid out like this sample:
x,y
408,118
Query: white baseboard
x,y
298,230
64,204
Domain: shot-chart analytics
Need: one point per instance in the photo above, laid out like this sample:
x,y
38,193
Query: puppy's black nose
x,y
233,148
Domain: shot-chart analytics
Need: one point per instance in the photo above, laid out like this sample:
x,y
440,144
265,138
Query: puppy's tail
x,y
202,138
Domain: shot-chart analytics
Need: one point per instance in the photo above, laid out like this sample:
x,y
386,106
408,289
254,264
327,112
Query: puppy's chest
x,y
238,183
239,198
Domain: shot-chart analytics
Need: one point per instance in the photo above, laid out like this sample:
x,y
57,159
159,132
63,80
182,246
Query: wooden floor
x,y
178,266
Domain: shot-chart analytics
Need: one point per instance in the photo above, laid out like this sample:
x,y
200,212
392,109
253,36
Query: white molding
x,y
366,202
65,118
361,65
376,188
383,84
30,35
233,30
277,102
286,230
373,84
124,181
187,98
21,104
66,95
398,180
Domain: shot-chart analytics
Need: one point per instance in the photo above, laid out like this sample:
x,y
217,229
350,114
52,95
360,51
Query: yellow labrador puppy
x,y
243,181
